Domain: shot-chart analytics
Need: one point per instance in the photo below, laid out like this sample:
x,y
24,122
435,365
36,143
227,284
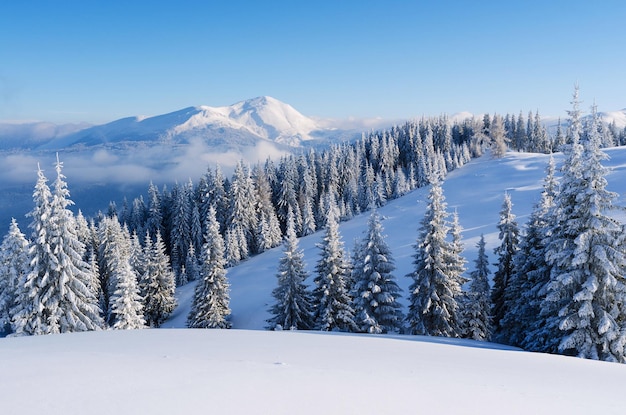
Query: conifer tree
x,y
210,308
505,252
154,221
242,219
375,290
125,303
586,296
436,290
158,285
180,235
531,274
334,310
14,266
192,268
477,307
55,296
293,308
498,137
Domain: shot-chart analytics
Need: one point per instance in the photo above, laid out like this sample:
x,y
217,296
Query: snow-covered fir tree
x,y
54,297
477,302
154,221
526,288
268,233
192,268
334,305
14,266
293,306
158,283
242,217
210,307
505,252
375,289
435,292
123,304
586,296
180,234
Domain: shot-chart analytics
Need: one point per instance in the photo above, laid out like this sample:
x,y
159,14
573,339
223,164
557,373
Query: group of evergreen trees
x,y
74,276
361,294
564,290
558,286
357,296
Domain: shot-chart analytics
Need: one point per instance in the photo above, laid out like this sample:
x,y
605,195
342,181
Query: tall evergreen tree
x,y
436,290
334,309
477,307
586,296
505,252
375,290
531,273
14,266
180,236
159,284
293,308
210,308
498,137
242,219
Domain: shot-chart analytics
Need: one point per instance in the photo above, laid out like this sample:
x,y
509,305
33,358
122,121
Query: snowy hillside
x,y
240,371
475,191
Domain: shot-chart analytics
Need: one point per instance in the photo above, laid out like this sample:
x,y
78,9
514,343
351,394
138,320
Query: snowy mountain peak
x,y
243,123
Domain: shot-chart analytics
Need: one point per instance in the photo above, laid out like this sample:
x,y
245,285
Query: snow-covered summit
x,y
265,117
244,123
617,117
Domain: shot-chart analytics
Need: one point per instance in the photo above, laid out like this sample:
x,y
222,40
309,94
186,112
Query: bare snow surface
x,y
260,372
250,370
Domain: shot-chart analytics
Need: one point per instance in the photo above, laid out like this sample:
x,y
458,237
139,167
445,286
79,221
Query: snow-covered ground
x,y
250,370
260,372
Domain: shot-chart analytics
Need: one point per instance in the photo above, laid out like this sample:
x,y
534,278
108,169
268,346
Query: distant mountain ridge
x,y
242,124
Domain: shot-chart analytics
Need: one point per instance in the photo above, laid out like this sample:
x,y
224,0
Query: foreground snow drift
x,y
262,372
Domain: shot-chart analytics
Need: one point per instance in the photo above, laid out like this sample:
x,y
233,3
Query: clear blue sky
x,y
96,61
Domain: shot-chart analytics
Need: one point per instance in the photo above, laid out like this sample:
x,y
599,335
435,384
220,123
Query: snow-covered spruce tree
x,y
192,268
505,252
526,288
154,221
293,307
210,308
55,296
121,296
125,304
585,304
477,303
159,284
14,266
435,292
180,234
268,233
375,290
332,299
498,138
242,217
